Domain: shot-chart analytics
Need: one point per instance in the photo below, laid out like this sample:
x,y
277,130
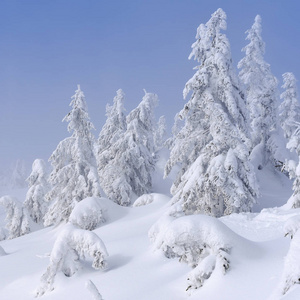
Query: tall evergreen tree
x,y
216,177
115,124
74,176
261,96
128,172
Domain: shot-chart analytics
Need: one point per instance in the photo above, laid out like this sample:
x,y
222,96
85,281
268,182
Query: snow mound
x,y
87,214
202,242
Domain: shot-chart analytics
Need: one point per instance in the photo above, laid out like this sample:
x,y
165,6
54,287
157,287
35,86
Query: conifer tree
x,y
290,107
261,97
35,202
74,176
216,177
128,172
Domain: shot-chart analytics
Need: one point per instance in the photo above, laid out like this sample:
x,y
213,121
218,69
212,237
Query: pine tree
x,y
35,202
290,107
216,177
115,124
261,96
128,172
74,176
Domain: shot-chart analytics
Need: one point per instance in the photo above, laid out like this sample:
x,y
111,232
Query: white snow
x,y
137,270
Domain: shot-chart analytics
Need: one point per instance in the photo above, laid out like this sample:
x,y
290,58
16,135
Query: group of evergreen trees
x,y
231,126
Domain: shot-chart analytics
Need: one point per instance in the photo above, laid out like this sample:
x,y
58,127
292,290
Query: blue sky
x,y
49,46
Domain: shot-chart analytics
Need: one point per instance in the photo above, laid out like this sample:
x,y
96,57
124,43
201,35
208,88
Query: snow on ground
x,y
137,271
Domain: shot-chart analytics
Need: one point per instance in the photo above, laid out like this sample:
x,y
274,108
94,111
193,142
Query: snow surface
x,y
136,269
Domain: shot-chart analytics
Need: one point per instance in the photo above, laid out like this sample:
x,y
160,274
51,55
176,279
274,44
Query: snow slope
x,y
137,271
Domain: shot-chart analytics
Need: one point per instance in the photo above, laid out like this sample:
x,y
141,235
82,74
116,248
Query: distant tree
x,y
216,177
290,108
160,133
129,170
115,125
18,177
17,222
74,176
35,202
261,96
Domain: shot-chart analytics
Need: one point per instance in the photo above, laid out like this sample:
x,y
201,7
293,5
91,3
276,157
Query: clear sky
x,y
49,46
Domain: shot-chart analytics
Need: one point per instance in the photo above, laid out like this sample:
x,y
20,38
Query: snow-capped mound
x,y
150,198
143,200
87,214
203,242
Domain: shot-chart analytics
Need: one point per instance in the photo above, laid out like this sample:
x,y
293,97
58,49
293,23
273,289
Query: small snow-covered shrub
x,y
291,272
16,217
143,200
202,242
87,214
70,245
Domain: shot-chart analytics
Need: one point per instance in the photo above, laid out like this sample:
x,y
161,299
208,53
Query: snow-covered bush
x,y
38,187
143,200
71,245
202,242
291,272
17,222
87,214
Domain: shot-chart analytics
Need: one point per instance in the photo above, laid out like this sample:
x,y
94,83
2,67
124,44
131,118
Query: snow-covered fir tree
x,y
128,172
261,97
289,108
112,131
216,177
74,176
114,126
293,167
35,202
